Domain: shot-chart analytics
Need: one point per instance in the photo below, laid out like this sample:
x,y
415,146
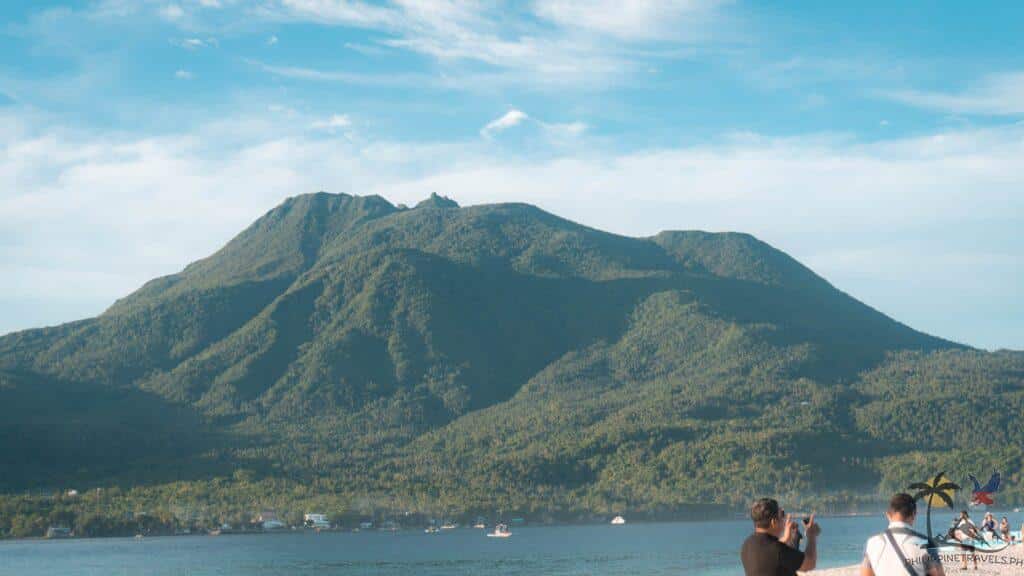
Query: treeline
x,y
208,506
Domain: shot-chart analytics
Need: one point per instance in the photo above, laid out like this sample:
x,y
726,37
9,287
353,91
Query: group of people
x,y
774,547
964,528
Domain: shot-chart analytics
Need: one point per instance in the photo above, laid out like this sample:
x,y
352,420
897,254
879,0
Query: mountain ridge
x,y
344,336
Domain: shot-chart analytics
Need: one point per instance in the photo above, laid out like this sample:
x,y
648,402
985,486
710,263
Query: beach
x,y
1009,561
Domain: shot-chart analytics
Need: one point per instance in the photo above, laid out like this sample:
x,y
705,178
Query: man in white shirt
x,y
900,551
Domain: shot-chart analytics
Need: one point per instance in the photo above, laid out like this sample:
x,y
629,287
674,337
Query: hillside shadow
x,y
505,327
56,433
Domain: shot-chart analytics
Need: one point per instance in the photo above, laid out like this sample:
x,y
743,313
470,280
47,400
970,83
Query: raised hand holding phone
x,y
813,528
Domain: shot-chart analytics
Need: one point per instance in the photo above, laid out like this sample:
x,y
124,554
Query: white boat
x,y
449,526
480,526
500,531
431,530
618,521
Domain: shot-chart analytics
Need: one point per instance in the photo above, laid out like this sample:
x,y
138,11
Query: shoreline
x,y
404,529
417,528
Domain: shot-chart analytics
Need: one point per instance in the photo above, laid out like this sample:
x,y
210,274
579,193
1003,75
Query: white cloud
x,y
345,77
633,20
171,12
182,74
995,95
334,122
118,207
564,42
568,129
348,12
554,132
507,120
195,43
366,49
272,40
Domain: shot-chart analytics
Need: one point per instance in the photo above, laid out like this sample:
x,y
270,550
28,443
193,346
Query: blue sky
x,y
880,144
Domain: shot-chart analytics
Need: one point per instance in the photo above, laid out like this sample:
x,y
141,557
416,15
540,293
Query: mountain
x,y
498,356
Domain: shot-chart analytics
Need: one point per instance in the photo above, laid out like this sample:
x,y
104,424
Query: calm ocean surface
x,y
634,549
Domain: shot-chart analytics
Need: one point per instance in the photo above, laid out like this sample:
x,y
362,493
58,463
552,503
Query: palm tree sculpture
x,y
939,492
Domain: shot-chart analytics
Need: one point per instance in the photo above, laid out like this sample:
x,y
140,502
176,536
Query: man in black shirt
x,y
773,548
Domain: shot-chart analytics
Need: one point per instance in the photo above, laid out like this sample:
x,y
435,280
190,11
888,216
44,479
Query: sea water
x,y
635,549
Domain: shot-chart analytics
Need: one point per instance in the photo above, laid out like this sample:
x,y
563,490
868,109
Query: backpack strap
x,y
928,545
899,552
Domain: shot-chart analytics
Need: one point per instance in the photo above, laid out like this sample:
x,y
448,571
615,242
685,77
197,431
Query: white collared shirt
x,y
886,562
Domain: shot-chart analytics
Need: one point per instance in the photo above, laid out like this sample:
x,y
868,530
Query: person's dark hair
x,y
903,504
763,512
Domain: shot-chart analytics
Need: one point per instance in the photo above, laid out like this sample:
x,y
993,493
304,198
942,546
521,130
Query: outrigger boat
x,y
500,531
973,544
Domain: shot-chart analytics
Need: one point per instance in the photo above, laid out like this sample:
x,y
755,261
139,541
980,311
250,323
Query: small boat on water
x,y
618,521
480,526
981,545
449,526
431,530
500,531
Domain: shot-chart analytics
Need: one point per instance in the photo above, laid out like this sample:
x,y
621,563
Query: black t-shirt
x,y
764,555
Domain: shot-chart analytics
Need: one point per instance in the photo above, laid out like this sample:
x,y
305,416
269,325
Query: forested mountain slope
x,y
499,356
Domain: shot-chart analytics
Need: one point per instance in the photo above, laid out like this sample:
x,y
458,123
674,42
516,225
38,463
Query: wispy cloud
x,y
995,95
171,12
344,77
272,41
672,20
558,42
193,43
554,131
181,74
367,49
334,122
565,130
507,120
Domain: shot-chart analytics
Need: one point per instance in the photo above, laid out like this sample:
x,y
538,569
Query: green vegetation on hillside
x,y
342,351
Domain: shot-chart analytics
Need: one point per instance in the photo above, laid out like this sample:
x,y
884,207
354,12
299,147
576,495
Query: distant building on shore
x,y
58,532
267,520
313,520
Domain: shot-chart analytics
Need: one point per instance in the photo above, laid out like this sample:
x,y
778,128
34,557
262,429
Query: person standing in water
x,y
964,531
900,551
1004,530
964,528
773,548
